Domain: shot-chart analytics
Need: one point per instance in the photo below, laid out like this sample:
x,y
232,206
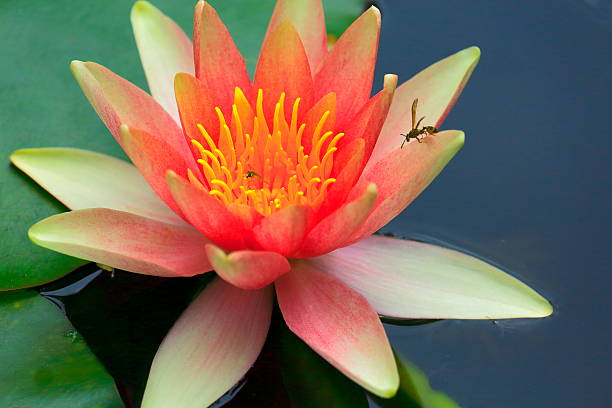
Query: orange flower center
x,y
266,167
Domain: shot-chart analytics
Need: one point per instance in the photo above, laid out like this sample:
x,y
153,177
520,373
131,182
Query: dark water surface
x,y
530,191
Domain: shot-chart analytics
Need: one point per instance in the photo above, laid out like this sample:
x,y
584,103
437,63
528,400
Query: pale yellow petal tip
x,y
125,130
375,11
171,176
17,155
142,7
372,189
76,65
543,308
390,82
458,141
547,309
34,233
472,53
387,390
218,258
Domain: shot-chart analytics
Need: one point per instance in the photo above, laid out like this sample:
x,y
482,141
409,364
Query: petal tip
x,y
75,66
386,384
34,233
471,55
473,51
547,309
541,307
17,155
171,177
372,189
141,6
390,82
215,254
389,390
374,11
457,143
125,133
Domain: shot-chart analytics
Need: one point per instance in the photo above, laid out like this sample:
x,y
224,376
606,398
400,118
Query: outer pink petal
x,y
314,115
336,228
283,67
196,107
348,69
346,170
125,241
210,348
119,102
340,325
437,88
284,230
247,269
403,174
207,214
308,18
219,64
409,279
164,51
153,157
368,122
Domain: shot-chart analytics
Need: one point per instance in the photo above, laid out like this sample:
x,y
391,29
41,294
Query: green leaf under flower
x,y
45,363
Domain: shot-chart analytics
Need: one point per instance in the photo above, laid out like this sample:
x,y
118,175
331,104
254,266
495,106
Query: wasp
x,y
415,132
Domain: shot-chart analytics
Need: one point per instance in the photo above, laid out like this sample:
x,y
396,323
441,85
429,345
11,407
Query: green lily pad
x,y
414,391
45,362
42,106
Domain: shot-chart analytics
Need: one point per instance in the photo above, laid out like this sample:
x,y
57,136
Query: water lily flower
x,y
275,183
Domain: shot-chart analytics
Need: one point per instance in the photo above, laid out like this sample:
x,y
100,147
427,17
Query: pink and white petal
x,y
196,107
339,324
311,119
210,348
219,64
335,229
348,69
283,231
409,279
247,269
283,67
164,49
346,170
308,18
125,241
368,122
209,215
83,179
437,89
403,174
119,102
154,157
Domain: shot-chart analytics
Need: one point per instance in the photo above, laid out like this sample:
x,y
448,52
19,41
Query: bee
x,y
415,132
251,174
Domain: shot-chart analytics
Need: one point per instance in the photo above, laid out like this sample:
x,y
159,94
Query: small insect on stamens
x,y
415,132
251,173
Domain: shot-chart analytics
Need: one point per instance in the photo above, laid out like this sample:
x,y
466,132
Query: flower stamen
x,y
267,169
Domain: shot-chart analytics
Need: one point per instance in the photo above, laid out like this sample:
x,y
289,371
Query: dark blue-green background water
x,y
530,190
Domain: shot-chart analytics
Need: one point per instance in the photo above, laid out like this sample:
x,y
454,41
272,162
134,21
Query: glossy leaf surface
x,y
45,362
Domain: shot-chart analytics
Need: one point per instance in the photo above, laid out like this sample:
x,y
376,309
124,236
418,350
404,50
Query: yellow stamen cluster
x,y
266,169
